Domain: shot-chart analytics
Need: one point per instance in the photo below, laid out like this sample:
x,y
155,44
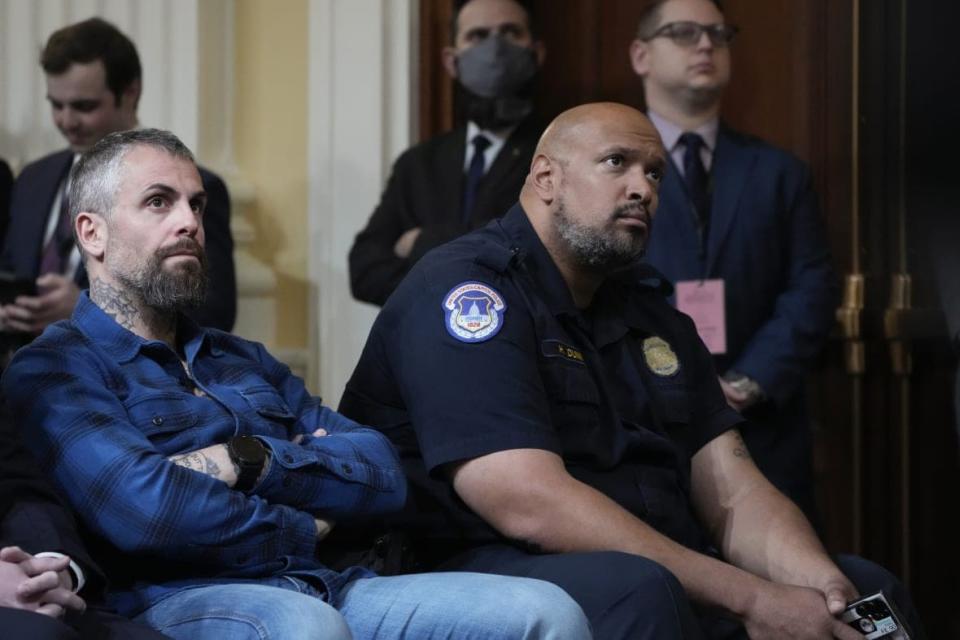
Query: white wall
x,y
361,116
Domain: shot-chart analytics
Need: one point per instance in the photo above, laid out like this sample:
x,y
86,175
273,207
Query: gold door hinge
x,y
849,316
897,312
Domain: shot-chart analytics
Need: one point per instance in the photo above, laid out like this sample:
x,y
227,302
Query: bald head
x,y
592,188
577,126
593,128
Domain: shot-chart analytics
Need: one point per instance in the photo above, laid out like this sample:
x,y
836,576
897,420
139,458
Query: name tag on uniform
x,y
703,301
556,349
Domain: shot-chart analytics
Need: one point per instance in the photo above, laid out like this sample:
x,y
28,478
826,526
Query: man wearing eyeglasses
x,y
740,236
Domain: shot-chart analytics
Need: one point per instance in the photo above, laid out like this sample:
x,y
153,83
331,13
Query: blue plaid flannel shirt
x,y
103,409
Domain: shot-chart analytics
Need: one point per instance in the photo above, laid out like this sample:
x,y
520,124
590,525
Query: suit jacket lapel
x,y
450,177
732,164
48,184
44,186
514,152
678,216
675,201
508,157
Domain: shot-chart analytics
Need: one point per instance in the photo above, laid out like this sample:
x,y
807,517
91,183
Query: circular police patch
x,y
660,357
473,312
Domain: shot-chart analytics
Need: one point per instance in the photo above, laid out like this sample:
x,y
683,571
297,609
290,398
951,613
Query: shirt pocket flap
x,y
161,413
265,400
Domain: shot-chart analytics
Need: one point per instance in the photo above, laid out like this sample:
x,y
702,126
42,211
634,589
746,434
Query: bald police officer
x,y
559,419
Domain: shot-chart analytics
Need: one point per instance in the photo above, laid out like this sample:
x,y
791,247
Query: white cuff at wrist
x,y
78,578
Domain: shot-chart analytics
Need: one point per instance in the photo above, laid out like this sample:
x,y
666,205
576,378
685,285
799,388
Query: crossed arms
x,y
130,493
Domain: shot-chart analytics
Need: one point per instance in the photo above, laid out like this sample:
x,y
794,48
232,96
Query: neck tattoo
x,y
115,302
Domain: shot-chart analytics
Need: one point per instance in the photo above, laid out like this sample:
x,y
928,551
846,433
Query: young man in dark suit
x,y
461,179
93,78
740,236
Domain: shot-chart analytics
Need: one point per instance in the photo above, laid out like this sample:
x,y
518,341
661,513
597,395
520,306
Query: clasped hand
x,y
36,584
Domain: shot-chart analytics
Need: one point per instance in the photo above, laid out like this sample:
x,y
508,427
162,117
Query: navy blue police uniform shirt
x,y
481,349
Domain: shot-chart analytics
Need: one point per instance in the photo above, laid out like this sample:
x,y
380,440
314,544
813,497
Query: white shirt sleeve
x,y
78,578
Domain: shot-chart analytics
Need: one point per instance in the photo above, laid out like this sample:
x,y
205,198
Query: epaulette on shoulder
x,y
647,277
495,255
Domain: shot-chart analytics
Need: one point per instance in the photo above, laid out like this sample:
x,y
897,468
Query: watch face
x,y
248,449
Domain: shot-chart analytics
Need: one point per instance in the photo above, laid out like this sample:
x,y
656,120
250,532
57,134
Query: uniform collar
x,y
621,303
616,306
123,344
536,260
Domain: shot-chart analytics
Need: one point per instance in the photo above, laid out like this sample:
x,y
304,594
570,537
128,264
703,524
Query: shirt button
x,y
157,421
287,457
347,469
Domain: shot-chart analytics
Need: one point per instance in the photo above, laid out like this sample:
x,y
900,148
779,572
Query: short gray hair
x,y
95,178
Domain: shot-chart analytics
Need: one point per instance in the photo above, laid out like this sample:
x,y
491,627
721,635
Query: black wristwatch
x,y
248,455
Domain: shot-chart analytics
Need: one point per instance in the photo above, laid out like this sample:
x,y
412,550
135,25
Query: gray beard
x,y
594,249
168,291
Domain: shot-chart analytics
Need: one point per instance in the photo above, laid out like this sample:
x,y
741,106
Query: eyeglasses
x,y
688,34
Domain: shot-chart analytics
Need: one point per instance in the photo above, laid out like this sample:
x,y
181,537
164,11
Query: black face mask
x,y
496,81
494,114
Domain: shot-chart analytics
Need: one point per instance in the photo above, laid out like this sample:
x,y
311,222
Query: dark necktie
x,y
474,176
57,249
695,175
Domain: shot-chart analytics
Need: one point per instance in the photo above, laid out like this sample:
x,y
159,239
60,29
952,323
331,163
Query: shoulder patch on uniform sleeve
x,y
473,311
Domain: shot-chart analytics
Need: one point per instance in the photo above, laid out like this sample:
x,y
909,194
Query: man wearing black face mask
x,y
458,181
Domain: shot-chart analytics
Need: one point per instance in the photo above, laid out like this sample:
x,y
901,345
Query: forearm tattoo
x,y
197,461
740,447
116,303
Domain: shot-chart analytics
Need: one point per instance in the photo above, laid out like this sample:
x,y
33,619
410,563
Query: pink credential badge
x,y
704,302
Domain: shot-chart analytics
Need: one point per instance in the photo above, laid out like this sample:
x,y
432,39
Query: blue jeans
x,y
421,606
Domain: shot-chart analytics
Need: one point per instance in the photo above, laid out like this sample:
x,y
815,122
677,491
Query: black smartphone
x,y
12,286
875,617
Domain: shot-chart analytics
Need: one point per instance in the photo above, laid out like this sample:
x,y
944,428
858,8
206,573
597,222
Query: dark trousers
x,y
27,625
629,597
16,624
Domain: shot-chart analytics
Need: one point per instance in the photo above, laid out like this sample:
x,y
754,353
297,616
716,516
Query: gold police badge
x,y
660,357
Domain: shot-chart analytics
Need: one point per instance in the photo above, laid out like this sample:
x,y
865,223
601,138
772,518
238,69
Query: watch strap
x,y
248,470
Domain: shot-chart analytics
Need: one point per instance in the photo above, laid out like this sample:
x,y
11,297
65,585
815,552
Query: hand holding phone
x,y
12,286
875,618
